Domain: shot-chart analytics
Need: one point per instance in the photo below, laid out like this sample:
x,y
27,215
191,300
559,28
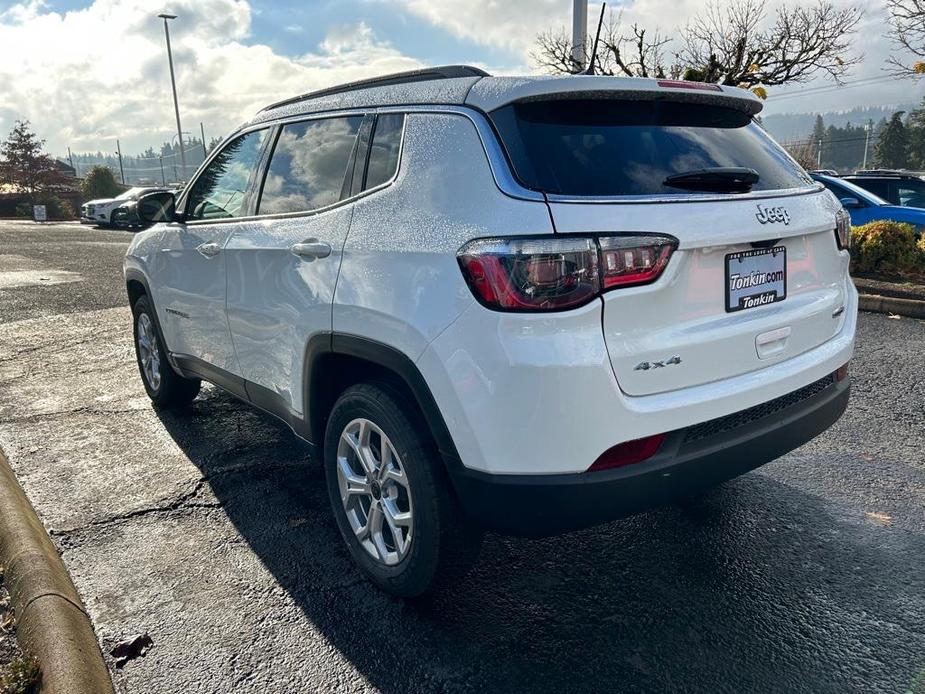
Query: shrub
x,y
55,207
886,248
100,183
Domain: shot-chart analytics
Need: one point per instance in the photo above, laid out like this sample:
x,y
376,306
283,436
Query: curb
x,y
52,624
910,308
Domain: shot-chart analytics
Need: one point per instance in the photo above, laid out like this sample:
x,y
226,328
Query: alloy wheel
x,y
147,351
375,492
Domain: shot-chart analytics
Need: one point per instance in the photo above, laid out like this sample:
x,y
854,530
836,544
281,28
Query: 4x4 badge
x,y
646,365
772,214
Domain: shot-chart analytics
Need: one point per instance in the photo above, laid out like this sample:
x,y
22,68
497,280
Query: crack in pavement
x,y
85,409
184,502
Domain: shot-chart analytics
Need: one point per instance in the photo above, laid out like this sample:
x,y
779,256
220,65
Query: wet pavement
x,y
211,532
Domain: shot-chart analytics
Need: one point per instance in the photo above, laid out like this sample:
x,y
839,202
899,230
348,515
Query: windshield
x,y
617,147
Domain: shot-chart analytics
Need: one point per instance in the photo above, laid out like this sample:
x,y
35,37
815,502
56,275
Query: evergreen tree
x,y
24,165
100,183
915,127
892,151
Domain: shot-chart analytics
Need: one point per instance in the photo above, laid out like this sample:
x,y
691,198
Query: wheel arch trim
x,y
383,356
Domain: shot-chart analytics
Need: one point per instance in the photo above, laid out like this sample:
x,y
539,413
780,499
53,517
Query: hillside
x,y
786,127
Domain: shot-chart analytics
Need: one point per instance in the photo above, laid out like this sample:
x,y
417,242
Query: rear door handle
x,y
311,249
209,250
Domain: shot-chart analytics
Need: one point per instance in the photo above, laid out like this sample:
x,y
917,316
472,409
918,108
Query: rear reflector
x,y
628,453
684,84
841,373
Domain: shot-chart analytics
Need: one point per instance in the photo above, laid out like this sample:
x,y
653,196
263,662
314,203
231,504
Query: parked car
x,y
864,206
525,304
896,187
100,211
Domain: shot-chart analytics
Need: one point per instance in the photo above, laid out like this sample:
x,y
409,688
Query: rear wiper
x,y
719,179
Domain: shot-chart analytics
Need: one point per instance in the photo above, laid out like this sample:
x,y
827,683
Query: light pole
x,y
119,154
579,33
173,84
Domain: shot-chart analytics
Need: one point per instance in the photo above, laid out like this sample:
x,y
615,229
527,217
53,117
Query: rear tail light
x,y
843,229
630,260
685,84
628,453
555,273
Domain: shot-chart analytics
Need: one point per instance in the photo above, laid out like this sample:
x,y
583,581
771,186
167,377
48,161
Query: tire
x,y
164,386
438,544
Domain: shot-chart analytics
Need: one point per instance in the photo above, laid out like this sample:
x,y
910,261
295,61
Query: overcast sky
x,y
86,73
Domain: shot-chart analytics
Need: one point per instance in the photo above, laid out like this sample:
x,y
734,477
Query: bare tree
x,y
733,43
804,152
907,31
638,53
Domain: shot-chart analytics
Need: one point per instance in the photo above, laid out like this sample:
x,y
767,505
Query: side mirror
x,y
850,203
157,207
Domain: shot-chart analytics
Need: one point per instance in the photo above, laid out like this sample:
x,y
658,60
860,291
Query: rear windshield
x,y
614,147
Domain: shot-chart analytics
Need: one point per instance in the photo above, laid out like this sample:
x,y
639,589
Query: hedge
x,y
887,248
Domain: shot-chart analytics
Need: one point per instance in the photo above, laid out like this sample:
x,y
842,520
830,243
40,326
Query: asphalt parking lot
x,y
211,533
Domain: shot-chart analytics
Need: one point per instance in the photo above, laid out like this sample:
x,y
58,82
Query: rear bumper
x,y
690,460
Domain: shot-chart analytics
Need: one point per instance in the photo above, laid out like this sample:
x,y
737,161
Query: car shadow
x,y
756,586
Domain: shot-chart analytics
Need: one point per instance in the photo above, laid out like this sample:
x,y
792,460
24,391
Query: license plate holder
x,y
757,277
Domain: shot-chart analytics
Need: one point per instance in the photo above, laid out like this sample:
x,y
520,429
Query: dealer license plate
x,y
756,278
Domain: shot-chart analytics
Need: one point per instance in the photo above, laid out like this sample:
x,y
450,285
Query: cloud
x,y
86,77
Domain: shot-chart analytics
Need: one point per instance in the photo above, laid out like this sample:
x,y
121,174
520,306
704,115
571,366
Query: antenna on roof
x,y
597,36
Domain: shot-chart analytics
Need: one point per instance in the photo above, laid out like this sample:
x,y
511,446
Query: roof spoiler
x,y
595,87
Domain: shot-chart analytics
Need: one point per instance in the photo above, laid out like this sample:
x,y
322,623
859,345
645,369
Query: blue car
x,y
864,206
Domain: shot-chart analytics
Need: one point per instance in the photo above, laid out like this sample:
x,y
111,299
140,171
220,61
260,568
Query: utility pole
x,y
819,155
173,85
202,133
121,170
579,34
163,177
866,144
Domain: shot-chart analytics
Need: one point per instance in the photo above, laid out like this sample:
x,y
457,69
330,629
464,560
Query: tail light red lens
x,y
531,274
628,453
555,273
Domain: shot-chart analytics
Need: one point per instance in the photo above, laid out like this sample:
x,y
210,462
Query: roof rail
x,y
883,172
443,72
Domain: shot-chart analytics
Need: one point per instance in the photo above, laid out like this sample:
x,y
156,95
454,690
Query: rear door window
x,y
612,147
308,165
911,193
877,187
221,190
384,149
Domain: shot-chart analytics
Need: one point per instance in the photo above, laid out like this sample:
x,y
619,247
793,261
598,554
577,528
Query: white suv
x,y
524,304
